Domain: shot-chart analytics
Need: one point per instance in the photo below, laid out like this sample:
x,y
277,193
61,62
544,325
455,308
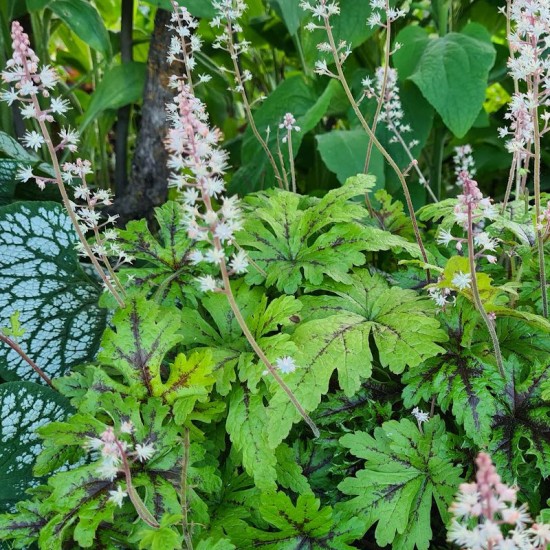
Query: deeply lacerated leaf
x,y
285,241
246,425
24,407
217,331
520,432
162,260
460,380
142,334
21,529
41,279
304,525
405,470
337,337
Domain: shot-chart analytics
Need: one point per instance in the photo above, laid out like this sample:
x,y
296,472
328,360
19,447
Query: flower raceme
x,y
481,509
32,87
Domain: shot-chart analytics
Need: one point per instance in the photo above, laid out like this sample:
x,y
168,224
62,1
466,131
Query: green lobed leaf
x,y
294,240
452,75
222,336
336,336
142,334
405,470
163,259
84,20
303,525
246,425
21,528
460,381
121,85
520,432
40,278
24,408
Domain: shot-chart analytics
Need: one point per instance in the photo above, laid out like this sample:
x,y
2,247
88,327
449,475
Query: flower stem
x,y
477,297
15,347
260,353
184,503
378,145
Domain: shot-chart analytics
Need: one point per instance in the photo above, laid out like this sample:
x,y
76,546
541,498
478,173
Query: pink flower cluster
x,y
115,451
481,510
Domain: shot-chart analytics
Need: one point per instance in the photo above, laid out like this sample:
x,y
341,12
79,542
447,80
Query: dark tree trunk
x,y
148,187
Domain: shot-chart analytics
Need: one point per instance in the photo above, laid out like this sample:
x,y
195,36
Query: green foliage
x,y
286,241
336,336
405,469
162,260
295,526
122,85
452,75
520,431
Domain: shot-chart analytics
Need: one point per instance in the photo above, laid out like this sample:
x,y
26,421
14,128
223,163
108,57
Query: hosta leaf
x,y
304,525
162,260
142,334
284,240
337,336
452,75
24,407
521,425
41,279
405,469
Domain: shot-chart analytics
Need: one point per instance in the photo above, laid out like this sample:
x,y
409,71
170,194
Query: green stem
x,y
477,297
378,145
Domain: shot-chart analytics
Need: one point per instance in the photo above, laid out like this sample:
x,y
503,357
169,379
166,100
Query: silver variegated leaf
x,y
40,278
24,407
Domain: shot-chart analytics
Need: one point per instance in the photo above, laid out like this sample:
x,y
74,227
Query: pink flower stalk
x,y
29,83
482,508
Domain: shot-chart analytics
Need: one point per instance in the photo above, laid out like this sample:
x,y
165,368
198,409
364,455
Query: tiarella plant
x,y
309,364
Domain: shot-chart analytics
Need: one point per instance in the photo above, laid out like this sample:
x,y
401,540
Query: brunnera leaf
x,y
40,278
405,470
24,407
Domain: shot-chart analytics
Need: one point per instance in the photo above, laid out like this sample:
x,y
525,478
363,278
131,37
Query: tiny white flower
x,y
420,415
24,174
117,497
462,280
33,140
145,452
286,364
207,283
127,427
